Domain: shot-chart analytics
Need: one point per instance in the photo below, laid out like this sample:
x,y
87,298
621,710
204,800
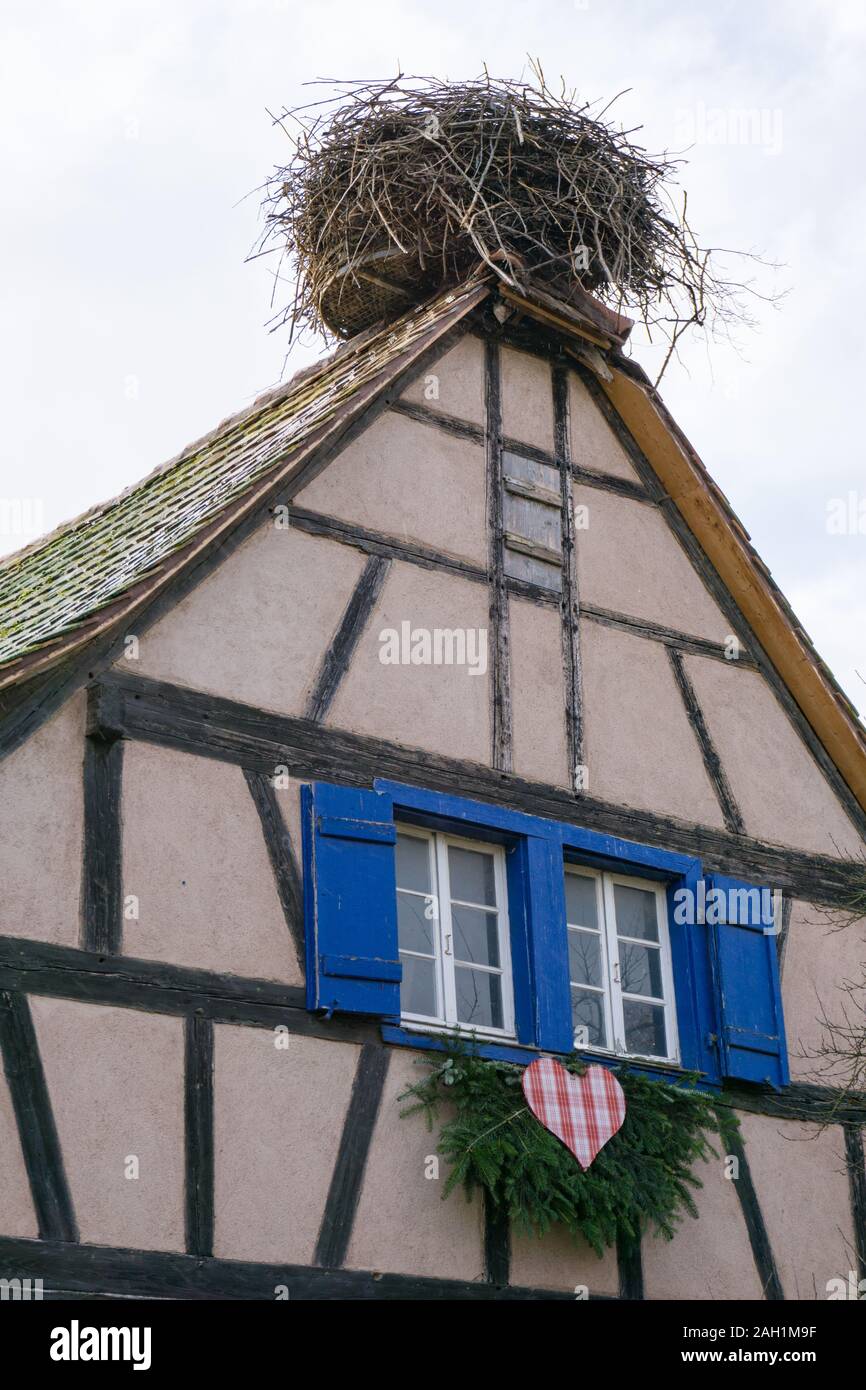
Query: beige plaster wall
x,y
278,1116
42,828
558,1261
195,858
710,1256
455,384
527,399
640,748
443,708
402,1224
592,441
411,481
538,693
781,791
257,627
820,954
629,560
115,1078
17,1214
802,1186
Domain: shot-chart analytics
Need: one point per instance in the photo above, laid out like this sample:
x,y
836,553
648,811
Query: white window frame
x,y
446,986
610,963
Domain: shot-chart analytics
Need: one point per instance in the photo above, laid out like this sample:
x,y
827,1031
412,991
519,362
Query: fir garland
x,y
643,1178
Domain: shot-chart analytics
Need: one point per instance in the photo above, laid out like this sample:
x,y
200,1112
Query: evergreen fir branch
x,y
643,1179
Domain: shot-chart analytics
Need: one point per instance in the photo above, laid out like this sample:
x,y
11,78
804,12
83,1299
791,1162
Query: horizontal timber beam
x,y
377,543
64,972
176,717
159,1274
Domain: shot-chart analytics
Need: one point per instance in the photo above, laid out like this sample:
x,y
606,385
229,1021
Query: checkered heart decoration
x,y
583,1111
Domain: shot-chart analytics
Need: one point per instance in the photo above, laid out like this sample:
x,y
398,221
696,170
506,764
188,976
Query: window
x,y
452,928
426,910
622,996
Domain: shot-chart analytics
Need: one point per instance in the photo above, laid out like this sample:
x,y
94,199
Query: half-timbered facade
x,y
455,617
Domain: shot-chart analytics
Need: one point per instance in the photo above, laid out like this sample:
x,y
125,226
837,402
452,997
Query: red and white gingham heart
x,y
583,1111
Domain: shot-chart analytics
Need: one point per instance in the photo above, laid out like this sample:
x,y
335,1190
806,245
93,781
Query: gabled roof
x,y
50,590
82,579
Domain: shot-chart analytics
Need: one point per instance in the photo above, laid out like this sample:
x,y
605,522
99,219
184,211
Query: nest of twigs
x,y
397,188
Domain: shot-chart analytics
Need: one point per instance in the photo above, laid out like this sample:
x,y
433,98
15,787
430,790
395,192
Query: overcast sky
x,y
131,133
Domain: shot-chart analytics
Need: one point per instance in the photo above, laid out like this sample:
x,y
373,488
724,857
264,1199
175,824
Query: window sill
x,y
521,1055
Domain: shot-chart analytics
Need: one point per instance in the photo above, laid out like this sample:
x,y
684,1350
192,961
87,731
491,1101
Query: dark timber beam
x,y
449,424
712,762
348,635
37,1131
570,598
497,1245
751,1208
347,1179
199,1132
630,1267
282,856
500,645
377,543
176,717
856,1164
465,429
102,870
35,967
783,933
156,1274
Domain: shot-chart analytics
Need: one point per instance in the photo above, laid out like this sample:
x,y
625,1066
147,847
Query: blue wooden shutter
x,y
350,901
748,991
536,892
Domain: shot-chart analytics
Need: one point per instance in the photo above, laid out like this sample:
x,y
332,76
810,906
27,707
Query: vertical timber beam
x,y
199,1134
497,1245
630,1265
102,882
570,602
500,644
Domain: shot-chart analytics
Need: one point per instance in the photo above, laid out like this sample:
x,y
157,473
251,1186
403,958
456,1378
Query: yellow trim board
x,y
691,489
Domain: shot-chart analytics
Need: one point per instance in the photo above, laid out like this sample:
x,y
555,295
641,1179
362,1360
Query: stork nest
x,y
398,188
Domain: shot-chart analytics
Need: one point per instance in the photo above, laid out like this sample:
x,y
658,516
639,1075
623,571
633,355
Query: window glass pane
x,y
581,903
476,935
413,863
414,930
584,958
645,1028
587,1013
636,912
418,989
641,970
479,998
471,874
